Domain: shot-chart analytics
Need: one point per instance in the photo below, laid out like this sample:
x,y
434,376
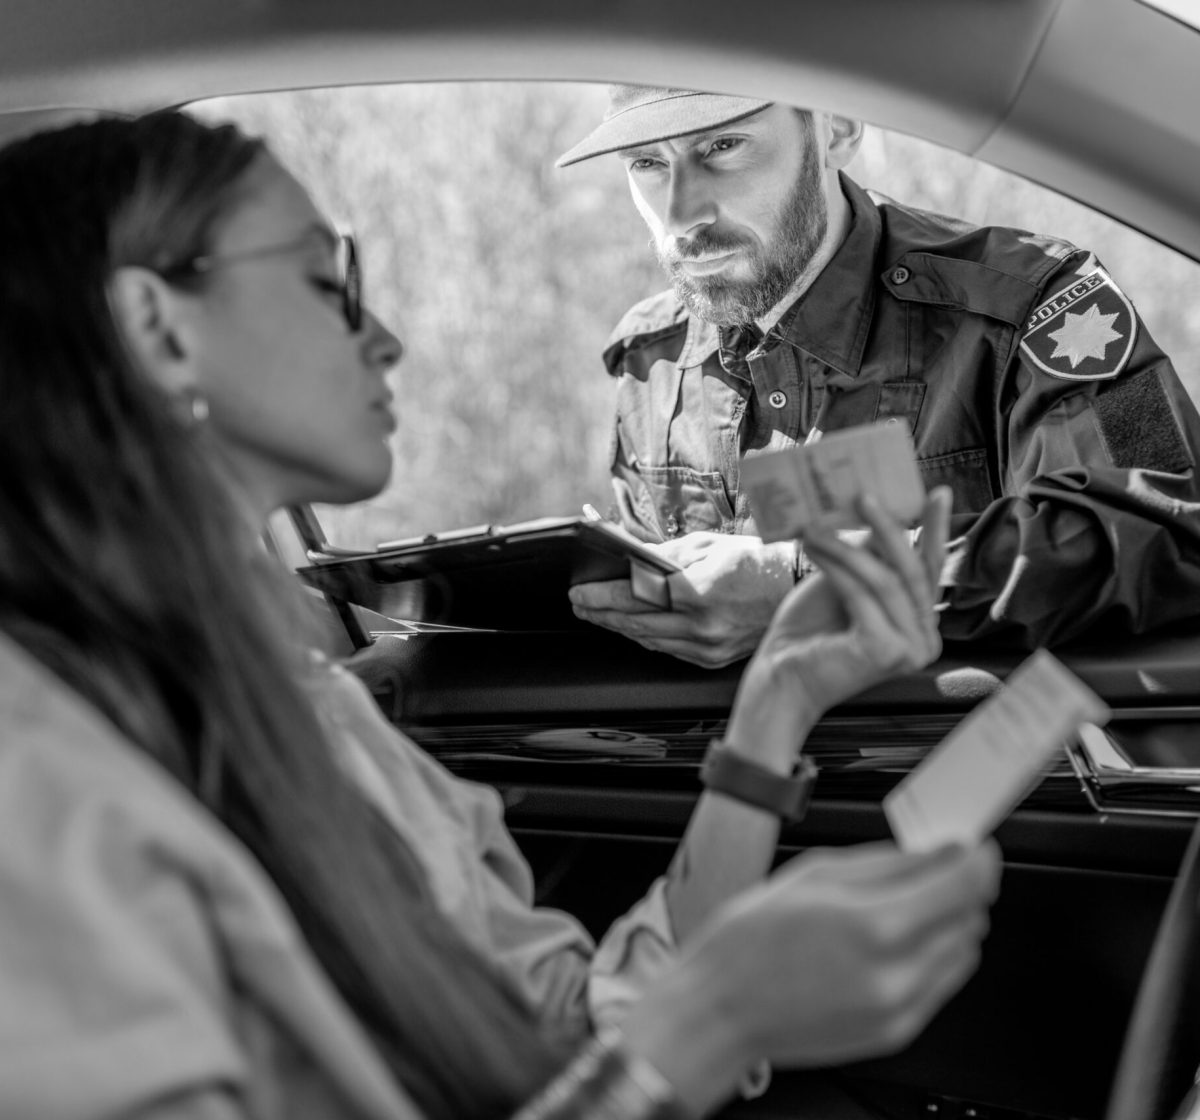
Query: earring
x,y
196,407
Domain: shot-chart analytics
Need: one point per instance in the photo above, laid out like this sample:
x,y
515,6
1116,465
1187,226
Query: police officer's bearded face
x,y
737,214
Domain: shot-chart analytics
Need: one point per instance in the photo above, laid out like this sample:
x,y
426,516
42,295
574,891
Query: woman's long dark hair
x,y
126,570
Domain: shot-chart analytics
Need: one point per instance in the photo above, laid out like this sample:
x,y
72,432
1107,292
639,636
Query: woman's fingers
x,y
873,594
887,938
893,542
874,613
884,602
882,865
935,531
936,973
906,580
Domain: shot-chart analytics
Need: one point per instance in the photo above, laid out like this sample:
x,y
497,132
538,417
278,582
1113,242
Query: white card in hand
x,y
816,485
978,774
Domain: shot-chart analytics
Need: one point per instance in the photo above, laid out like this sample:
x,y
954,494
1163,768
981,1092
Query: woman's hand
x,y
867,615
870,941
841,955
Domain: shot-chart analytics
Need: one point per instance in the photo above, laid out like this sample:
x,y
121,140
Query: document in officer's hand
x,y
975,777
816,485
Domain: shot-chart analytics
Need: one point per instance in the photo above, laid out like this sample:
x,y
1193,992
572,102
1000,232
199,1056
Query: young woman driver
x,y
228,888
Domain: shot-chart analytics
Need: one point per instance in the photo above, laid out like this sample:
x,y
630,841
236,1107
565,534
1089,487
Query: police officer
x,y
801,305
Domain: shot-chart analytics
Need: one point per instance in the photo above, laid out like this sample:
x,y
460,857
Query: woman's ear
x,y
845,135
153,320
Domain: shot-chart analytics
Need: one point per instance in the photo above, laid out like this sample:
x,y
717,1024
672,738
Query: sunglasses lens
x,y
351,284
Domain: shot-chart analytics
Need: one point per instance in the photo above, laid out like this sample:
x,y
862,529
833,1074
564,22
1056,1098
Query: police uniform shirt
x,y
1031,387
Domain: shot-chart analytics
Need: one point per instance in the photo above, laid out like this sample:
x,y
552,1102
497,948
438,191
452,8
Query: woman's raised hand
x,y
868,614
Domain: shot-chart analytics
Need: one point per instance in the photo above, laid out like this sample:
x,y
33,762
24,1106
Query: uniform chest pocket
x,y
966,473
687,501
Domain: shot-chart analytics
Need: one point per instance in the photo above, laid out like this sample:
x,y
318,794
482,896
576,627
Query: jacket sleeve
x,y
1099,522
484,884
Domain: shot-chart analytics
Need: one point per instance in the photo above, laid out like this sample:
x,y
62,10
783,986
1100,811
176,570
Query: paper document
x,y
817,484
978,774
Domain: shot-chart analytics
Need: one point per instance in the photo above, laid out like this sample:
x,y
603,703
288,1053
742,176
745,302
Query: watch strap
x,y
733,774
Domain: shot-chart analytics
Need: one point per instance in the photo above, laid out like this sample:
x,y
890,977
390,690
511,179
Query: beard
x,y
801,225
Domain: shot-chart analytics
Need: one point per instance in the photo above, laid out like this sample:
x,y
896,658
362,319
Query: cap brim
x,y
661,120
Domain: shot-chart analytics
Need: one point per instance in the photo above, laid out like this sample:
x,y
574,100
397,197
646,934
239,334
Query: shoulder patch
x,y
1084,332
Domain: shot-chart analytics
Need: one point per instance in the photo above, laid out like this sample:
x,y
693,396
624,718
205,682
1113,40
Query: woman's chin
x,y
365,480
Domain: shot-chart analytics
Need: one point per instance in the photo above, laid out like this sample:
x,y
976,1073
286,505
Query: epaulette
x,y
988,270
651,319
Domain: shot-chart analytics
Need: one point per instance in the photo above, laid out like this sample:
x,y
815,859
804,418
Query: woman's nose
x,y
383,348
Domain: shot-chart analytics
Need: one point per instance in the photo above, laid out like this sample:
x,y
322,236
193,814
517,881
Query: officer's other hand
x,y
722,601
848,953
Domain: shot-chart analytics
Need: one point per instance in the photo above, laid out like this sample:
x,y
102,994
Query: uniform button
x,y
672,525
777,399
900,275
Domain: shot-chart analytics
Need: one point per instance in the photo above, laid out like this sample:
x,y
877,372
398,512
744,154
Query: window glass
x,y
504,277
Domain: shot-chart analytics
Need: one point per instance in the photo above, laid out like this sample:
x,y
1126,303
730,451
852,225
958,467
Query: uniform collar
x,y
832,319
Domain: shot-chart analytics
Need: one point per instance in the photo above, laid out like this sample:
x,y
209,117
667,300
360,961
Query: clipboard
x,y
488,577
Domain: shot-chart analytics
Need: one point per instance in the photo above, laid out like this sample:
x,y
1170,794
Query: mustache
x,y
705,243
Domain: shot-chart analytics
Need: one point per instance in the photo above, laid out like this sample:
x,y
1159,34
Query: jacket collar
x,y
832,319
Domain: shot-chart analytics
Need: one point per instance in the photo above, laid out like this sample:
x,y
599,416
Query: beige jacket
x,y
149,968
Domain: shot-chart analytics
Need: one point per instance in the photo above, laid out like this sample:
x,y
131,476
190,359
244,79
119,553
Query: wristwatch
x,y
736,776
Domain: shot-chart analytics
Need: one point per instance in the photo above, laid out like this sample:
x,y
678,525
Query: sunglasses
x,y
348,278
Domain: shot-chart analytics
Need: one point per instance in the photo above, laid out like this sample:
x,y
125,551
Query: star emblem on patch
x,y
1084,332
1084,336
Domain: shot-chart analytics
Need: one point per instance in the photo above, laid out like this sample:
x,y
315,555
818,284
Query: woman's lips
x,y
383,410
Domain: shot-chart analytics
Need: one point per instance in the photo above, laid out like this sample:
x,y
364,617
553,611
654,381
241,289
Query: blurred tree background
x,y
503,277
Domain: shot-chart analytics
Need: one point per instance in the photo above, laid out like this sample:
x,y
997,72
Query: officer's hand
x,y
721,602
845,954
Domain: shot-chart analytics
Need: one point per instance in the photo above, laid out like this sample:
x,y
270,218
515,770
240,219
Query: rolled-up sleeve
x,y
639,946
484,884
